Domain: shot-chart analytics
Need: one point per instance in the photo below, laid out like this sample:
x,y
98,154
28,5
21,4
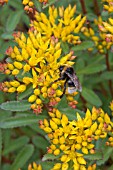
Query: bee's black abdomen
x,y
70,83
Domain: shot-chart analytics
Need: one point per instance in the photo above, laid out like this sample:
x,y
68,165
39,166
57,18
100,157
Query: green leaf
x,y
40,142
7,36
83,46
96,156
49,157
47,165
15,4
37,5
6,166
16,105
91,97
25,19
13,20
90,16
106,154
37,129
4,114
6,137
65,47
22,157
104,13
108,75
16,144
20,121
71,113
0,145
91,69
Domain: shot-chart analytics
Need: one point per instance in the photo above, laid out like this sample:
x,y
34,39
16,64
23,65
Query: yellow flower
x,y
14,83
109,5
32,98
57,166
15,72
11,89
101,40
35,62
56,152
21,88
53,125
18,65
65,27
76,138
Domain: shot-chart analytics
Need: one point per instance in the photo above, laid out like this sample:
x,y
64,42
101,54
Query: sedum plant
x,y
56,103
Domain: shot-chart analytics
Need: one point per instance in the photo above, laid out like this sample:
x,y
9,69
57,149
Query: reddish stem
x,y
83,6
96,7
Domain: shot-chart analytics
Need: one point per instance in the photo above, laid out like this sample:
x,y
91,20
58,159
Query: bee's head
x,y
61,68
70,70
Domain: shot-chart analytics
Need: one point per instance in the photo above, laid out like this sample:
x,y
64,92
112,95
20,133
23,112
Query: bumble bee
x,y
68,74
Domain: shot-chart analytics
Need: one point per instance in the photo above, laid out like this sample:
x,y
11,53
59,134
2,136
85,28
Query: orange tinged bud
x,y
33,106
31,3
7,71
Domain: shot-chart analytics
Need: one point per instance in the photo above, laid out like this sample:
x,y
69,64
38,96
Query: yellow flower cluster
x,y
35,62
109,5
99,39
107,29
29,4
71,140
39,167
2,2
60,24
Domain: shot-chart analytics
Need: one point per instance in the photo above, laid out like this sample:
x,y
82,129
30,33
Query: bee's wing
x,y
75,80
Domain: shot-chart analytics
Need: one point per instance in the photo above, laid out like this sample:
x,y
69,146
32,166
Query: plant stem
x,y
108,68
96,7
84,102
83,6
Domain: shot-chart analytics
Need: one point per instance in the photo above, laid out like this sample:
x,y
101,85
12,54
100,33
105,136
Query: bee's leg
x,y
64,89
61,78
